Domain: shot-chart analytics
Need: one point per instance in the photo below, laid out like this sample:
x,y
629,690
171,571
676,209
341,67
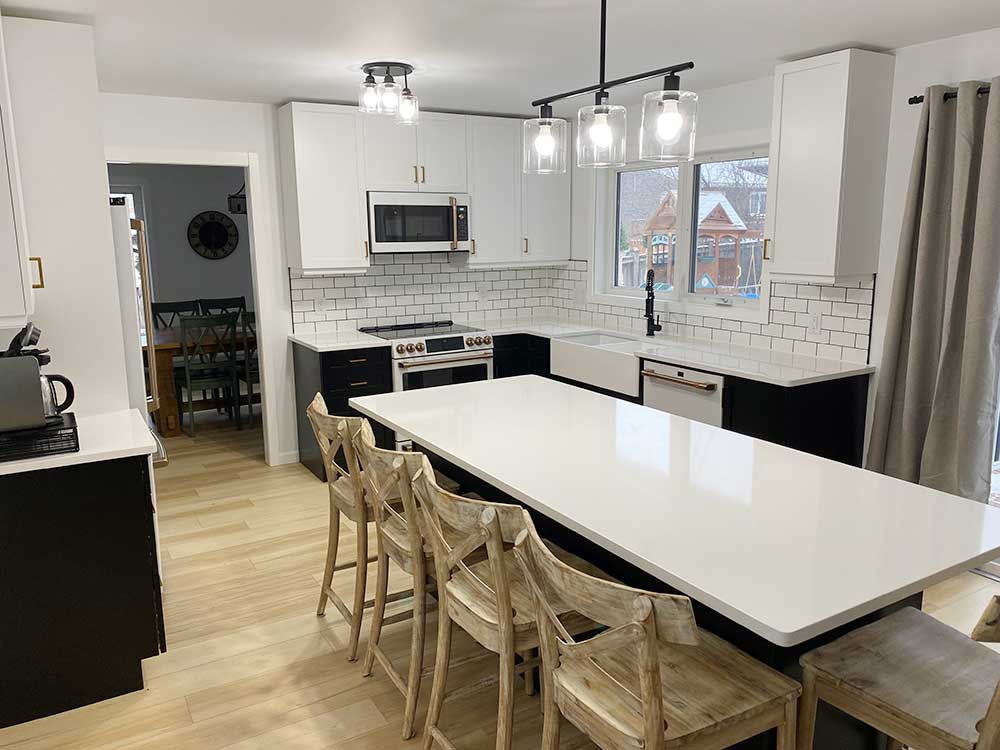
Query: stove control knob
x,y
420,346
479,340
469,341
400,348
410,348
487,339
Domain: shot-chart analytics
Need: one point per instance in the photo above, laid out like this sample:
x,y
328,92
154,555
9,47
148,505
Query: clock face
x,y
213,235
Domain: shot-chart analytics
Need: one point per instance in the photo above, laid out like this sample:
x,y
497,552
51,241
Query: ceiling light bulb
x,y
545,144
371,98
406,108
670,122
389,100
600,132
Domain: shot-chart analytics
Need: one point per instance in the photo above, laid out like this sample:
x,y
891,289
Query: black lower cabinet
x,y
79,588
520,354
339,376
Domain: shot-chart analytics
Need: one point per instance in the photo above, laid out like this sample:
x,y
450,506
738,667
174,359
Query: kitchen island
x,y
780,550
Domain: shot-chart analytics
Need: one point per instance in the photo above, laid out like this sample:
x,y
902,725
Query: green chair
x,y
250,364
208,348
166,314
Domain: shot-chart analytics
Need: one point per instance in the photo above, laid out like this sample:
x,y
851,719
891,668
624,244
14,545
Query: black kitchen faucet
x,y
651,326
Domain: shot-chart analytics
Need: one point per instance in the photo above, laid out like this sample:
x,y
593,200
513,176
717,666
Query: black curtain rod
x,y
982,91
617,82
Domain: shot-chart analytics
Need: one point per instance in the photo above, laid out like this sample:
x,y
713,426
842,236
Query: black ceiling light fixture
x,y
666,134
388,97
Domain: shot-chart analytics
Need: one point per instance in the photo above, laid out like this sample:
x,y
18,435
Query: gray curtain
x,y
936,406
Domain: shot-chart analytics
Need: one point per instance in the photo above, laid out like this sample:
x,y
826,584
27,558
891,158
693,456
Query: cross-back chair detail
x,y
217,305
208,357
651,669
166,314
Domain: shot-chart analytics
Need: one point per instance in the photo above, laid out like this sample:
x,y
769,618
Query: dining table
x,y
167,346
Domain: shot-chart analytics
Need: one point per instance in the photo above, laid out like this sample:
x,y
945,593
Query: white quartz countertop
x,y
103,437
787,544
764,365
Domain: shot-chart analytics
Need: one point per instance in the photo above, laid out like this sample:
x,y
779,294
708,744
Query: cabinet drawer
x,y
368,356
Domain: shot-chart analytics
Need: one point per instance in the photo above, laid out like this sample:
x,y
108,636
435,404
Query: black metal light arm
x,y
670,70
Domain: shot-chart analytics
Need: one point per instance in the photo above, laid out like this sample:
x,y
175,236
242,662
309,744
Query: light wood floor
x,y
249,665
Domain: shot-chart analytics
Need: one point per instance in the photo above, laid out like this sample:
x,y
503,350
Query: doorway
x,y
198,240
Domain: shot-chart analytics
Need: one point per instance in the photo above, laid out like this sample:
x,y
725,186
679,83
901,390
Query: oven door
x,y
418,222
462,367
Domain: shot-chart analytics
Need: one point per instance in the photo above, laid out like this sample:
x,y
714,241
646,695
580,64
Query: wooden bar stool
x,y
653,679
488,599
913,678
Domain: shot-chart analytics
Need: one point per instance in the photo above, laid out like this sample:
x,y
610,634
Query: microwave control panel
x,y
462,213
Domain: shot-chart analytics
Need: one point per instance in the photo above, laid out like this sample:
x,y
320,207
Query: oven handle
x,y
453,201
404,365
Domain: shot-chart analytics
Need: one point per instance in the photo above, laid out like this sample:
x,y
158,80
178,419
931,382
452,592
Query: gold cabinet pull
x,y
359,384
473,247
767,244
680,381
366,248
357,361
415,180
41,273
423,174
525,245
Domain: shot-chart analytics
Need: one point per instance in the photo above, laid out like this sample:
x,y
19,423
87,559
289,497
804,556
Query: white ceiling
x,y
475,55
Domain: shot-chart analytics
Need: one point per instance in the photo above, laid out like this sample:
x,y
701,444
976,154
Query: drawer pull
x,y
358,361
359,384
680,381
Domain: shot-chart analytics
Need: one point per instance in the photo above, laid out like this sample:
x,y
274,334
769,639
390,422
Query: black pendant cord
x,y
604,40
981,91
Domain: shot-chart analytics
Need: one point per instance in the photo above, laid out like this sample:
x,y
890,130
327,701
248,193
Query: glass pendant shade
x,y
409,109
546,145
600,136
368,97
668,126
389,93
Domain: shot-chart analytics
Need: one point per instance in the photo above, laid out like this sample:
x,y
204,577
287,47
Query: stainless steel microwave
x,y
418,222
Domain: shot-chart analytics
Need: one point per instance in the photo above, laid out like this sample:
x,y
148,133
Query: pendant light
x,y
409,107
388,95
669,118
546,143
368,95
601,127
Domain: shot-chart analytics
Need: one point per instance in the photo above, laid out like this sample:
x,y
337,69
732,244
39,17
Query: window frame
x,y
679,299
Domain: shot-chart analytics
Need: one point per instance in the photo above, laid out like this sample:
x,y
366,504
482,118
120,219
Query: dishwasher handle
x,y
707,387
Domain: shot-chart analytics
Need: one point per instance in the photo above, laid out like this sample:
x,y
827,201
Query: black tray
x,y
58,436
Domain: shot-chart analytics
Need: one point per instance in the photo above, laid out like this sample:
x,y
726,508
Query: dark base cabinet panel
x,y
339,376
520,354
826,419
79,590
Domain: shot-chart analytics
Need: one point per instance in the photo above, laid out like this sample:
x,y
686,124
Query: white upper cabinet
x,y
430,157
545,217
322,166
16,296
391,162
495,190
827,166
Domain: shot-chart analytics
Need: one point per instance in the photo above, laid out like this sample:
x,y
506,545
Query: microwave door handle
x,y
453,201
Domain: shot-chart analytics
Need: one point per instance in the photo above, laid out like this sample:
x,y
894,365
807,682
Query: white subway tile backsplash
x,y
407,289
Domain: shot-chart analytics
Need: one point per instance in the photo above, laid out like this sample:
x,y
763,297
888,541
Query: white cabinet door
x,y
390,150
325,215
546,217
495,189
442,153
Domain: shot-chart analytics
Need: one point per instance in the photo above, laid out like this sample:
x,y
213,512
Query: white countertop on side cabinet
x,y
785,543
332,341
103,437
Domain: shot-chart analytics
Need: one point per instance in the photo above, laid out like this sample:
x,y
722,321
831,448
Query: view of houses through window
x,y
726,250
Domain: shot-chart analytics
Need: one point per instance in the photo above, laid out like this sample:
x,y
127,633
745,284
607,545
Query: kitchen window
x,y
701,225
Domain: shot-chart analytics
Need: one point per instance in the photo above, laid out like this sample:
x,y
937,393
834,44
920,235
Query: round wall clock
x,y
213,235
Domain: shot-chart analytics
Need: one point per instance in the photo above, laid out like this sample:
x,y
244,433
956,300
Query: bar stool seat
x,y
910,676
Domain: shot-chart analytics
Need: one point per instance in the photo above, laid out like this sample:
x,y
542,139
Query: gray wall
x,y
172,196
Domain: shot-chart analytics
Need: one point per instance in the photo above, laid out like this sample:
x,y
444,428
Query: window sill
x,y
669,303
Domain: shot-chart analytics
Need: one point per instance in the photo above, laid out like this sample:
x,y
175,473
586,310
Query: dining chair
x,y
218,305
166,314
208,350
911,677
488,599
652,679
250,364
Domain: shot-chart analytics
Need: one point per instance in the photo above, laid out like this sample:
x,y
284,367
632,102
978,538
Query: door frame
x,y
260,220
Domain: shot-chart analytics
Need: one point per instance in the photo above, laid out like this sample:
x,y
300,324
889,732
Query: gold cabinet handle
x,y
525,245
473,247
680,381
41,274
359,384
767,244
366,248
357,361
423,174
415,180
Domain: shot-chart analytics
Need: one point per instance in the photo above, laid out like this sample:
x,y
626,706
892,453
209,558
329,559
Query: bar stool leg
x,y
786,732
416,647
550,716
360,584
333,542
505,710
529,674
807,711
441,659
378,612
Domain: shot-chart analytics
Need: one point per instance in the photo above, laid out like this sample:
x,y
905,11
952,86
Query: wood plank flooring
x,y
249,664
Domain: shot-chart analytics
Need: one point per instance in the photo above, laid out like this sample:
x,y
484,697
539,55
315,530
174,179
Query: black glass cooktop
x,y
418,330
